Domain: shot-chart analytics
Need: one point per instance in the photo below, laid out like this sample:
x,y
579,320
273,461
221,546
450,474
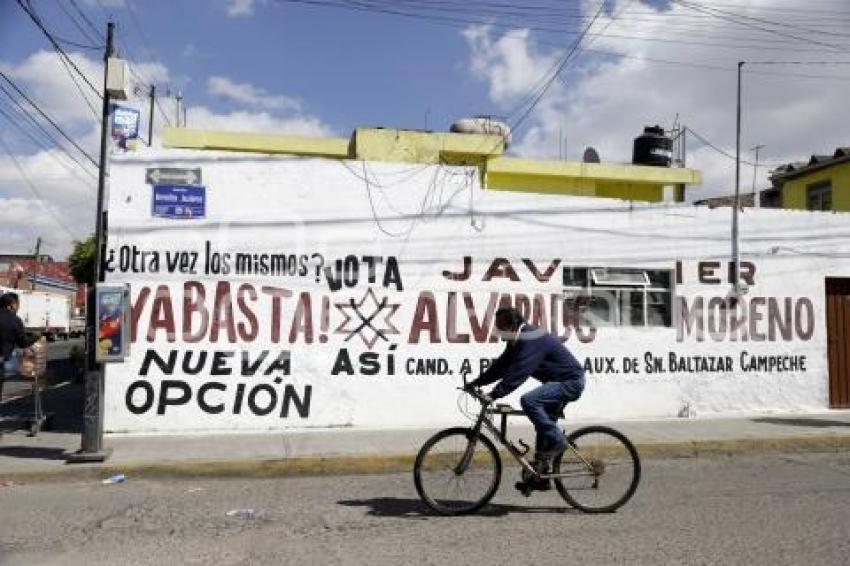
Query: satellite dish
x,y
590,156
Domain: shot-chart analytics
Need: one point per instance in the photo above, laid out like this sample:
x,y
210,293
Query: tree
x,y
81,261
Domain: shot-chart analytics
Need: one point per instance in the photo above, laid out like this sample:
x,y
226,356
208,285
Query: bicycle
x,y
597,461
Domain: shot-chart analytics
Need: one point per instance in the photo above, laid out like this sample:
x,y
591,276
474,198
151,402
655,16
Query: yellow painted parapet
x,y
412,146
623,172
613,180
260,143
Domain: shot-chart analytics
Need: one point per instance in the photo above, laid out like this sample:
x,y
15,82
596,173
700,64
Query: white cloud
x,y
236,8
250,95
203,117
607,103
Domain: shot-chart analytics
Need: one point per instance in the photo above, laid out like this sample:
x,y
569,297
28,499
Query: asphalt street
x,y
750,510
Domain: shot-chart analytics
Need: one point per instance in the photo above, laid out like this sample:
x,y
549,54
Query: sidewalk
x,y
348,451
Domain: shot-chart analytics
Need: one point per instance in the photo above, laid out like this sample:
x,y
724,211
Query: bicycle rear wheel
x,y
602,470
457,471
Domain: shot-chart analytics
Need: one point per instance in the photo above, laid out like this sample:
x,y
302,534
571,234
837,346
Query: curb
x,y
393,463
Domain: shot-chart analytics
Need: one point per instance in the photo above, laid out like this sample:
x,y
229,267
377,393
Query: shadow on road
x,y
33,452
64,402
414,508
806,422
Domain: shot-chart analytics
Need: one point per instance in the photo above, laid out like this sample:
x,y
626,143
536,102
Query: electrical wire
x,y
49,151
56,46
560,67
93,110
46,117
35,191
463,22
97,33
726,16
83,31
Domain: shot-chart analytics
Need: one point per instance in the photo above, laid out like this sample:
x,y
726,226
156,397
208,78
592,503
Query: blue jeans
x,y
541,406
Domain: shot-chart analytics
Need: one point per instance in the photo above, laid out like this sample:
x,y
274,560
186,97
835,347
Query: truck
x,y
46,313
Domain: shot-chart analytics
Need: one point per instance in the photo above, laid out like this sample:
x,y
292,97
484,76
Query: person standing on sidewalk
x,y
12,333
531,351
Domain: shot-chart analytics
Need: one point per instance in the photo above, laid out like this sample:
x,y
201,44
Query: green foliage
x,y
81,261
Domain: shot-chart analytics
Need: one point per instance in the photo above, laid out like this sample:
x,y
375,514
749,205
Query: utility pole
x,y
179,99
150,116
736,259
35,260
92,437
756,194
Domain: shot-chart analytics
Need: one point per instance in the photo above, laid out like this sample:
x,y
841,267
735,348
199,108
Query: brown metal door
x,y
838,340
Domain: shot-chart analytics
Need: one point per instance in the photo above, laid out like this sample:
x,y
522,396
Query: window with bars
x,y
607,296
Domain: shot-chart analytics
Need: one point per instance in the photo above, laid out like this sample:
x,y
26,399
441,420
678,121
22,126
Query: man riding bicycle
x,y
531,351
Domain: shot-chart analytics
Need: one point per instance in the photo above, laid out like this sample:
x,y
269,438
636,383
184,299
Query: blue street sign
x,y
179,201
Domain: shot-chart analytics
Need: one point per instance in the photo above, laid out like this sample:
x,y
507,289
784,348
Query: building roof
x,y
815,162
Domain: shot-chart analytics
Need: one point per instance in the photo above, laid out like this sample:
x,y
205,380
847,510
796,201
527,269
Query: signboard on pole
x,y
125,123
113,322
179,201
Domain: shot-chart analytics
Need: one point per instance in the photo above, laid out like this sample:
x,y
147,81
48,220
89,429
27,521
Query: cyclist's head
x,y
508,322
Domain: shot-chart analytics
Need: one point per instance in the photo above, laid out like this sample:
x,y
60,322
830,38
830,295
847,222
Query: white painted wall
x,y
429,218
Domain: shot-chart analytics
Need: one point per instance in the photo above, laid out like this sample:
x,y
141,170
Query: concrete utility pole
x,y
736,258
150,116
179,99
35,260
756,194
92,437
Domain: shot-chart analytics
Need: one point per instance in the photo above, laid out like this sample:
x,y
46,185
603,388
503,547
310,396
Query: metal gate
x,y
838,340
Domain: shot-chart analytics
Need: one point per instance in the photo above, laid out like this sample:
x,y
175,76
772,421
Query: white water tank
x,y
482,125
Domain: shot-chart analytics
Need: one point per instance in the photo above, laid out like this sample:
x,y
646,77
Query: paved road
x,y
747,510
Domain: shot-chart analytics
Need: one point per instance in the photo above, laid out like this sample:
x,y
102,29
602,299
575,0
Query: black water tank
x,y
653,148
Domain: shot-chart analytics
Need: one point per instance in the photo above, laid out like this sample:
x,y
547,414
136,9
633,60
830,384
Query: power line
x,y
560,67
97,33
720,151
48,118
40,128
85,33
56,45
49,151
79,89
35,191
773,22
463,22
731,18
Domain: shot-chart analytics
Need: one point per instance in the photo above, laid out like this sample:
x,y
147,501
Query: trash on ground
x,y
7,483
120,478
242,513
194,490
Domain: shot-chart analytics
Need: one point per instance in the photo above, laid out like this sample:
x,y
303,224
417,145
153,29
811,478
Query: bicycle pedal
x,y
524,488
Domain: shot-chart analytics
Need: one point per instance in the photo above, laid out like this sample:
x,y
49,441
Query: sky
x,y
314,67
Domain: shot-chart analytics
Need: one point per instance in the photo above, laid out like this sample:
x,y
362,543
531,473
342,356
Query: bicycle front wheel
x,y
600,470
457,471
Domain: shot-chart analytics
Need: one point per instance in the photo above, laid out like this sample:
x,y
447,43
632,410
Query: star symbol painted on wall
x,y
369,319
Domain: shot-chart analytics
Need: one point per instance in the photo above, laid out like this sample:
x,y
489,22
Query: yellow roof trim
x,y
189,138
598,171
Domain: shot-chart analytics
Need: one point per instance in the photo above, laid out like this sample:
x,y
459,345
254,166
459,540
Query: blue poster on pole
x,y
179,201
125,123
